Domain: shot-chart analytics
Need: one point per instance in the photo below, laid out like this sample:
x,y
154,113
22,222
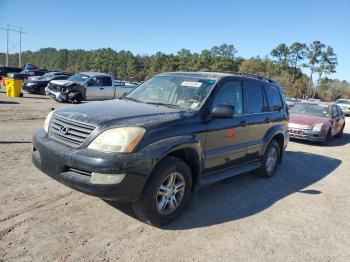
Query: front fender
x,y
161,148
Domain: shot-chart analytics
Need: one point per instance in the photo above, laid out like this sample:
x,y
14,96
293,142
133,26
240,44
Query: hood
x,y
306,119
62,82
121,113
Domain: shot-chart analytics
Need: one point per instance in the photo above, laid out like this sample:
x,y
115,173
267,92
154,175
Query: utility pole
x,y
8,29
20,47
7,45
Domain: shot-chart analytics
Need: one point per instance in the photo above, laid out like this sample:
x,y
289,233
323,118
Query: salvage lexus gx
x,y
174,133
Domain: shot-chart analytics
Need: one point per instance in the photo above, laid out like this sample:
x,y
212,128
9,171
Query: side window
x,y
97,81
230,93
255,97
340,112
334,111
106,81
273,98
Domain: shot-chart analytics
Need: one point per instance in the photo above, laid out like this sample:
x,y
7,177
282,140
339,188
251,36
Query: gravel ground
x,y
301,214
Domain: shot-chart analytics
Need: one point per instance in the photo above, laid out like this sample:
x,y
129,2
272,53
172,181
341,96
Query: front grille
x,y
69,131
54,87
298,132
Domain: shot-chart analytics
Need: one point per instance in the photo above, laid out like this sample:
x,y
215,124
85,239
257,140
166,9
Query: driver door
x,y
94,89
226,138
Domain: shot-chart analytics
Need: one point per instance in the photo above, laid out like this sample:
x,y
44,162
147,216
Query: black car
x,y
24,74
4,70
38,86
174,133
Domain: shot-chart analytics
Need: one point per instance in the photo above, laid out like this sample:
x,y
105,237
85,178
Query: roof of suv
x,y
218,75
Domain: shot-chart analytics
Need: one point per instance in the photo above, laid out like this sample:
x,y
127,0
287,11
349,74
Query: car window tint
x,y
255,98
340,112
334,111
230,93
102,81
273,98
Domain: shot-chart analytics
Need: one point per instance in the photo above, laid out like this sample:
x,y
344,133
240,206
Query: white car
x,y
344,104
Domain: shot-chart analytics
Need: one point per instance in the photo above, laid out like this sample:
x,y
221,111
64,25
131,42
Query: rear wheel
x,y
270,159
166,192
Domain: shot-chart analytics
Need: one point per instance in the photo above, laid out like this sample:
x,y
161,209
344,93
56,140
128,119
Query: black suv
x,y
174,133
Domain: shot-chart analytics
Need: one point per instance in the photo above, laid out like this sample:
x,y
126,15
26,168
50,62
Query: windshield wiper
x,y
163,104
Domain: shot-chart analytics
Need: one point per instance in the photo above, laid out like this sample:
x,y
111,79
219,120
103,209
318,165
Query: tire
x,y
147,208
41,91
328,137
77,99
268,169
340,134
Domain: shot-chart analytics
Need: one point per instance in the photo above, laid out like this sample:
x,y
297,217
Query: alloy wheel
x,y
170,193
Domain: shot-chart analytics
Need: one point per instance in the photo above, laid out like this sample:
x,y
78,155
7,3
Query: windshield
x,y
186,93
311,110
343,101
78,78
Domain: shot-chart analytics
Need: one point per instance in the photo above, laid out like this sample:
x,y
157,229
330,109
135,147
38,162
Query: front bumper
x,y
346,111
73,166
57,95
307,134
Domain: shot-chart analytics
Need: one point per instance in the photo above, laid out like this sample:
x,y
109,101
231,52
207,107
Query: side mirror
x,y
223,111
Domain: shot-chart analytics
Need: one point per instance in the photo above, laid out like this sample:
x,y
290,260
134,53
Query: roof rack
x,y
255,76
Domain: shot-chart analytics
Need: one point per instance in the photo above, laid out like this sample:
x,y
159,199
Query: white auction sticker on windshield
x,y
191,84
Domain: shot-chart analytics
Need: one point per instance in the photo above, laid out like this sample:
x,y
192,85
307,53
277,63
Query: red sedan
x,y
316,121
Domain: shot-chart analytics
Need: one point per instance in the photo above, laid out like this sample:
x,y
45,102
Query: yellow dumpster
x,y
13,87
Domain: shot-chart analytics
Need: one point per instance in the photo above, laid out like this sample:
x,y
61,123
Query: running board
x,y
214,177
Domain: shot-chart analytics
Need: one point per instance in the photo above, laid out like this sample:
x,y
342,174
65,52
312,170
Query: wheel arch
x,y
275,133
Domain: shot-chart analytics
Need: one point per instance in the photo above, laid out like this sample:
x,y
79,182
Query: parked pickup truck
x,y
84,86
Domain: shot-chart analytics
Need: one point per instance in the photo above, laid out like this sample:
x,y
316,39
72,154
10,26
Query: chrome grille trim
x,y
76,134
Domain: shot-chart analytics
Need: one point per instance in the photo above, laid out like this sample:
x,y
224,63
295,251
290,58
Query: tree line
x,y
284,64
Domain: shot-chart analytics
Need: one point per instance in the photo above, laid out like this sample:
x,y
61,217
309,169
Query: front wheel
x,y
166,192
270,159
340,134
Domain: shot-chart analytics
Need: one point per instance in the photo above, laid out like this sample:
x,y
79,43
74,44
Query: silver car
x,y
344,104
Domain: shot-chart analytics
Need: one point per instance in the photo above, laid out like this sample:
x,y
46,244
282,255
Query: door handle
x,y
101,88
243,123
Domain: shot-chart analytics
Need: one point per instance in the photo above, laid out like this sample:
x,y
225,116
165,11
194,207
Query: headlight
x,y
30,84
123,139
47,122
317,127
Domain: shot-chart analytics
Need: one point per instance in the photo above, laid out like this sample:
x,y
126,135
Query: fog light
x,y
106,179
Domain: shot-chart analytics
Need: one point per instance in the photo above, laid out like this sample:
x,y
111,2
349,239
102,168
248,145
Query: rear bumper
x,y
73,167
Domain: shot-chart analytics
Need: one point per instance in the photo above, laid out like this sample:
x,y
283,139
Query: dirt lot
x,y
302,214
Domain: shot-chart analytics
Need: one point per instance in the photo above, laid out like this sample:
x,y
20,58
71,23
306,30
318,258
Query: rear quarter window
x,y
274,98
